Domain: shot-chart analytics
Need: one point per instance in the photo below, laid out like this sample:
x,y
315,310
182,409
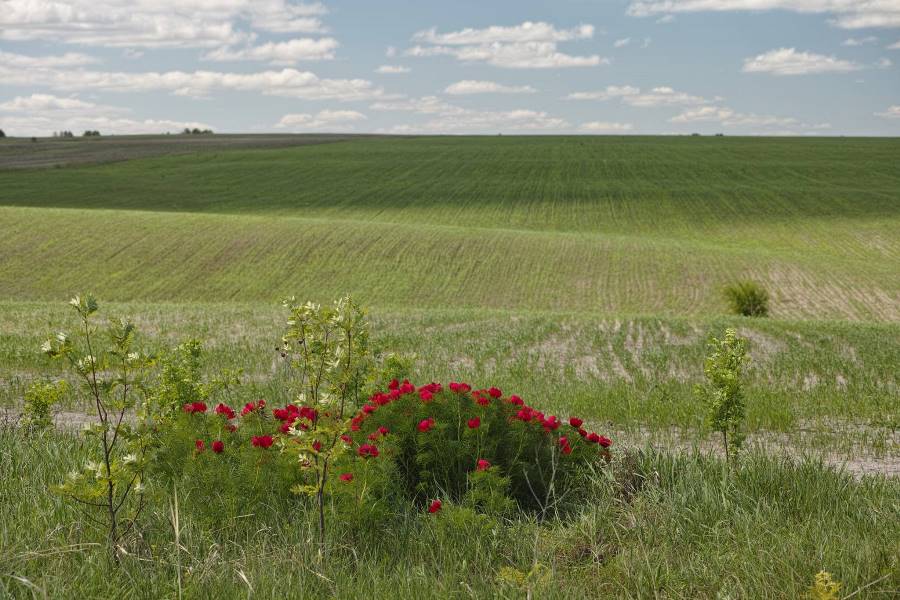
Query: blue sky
x,y
741,67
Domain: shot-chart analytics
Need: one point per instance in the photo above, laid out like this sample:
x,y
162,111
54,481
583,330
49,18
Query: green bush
x,y
477,448
37,414
748,298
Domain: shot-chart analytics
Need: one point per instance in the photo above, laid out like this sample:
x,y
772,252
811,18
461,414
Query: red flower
x,y
564,445
435,506
406,387
262,441
383,430
346,439
231,428
483,465
317,445
425,395
373,436
394,384
368,409
474,423
248,408
593,437
575,422
367,451
200,445
460,388
347,477
194,407
604,441
495,393
516,400
481,400
426,424
524,414
225,410
218,446
582,432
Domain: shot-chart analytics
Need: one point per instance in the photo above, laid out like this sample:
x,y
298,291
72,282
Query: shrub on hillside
x,y
479,447
748,298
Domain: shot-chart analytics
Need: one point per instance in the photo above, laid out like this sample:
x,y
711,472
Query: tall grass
x,y
661,525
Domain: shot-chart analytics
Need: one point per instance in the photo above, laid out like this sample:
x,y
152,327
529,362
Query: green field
x,y
583,273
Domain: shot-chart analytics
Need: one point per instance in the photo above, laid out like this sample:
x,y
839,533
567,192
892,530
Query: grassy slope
x,y
634,225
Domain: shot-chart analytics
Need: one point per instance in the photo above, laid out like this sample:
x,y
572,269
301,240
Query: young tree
x,y
723,392
110,369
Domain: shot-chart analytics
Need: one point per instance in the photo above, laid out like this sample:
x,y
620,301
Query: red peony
x,y
262,441
225,410
317,446
194,407
347,477
575,422
434,507
199,445
426,424
425,395
516,400
367,451
593,437
474,423
218,446
383,430
394,384
604,441
495,393
483,465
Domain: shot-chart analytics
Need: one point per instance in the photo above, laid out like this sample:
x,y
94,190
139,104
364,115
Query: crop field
x,y
583,273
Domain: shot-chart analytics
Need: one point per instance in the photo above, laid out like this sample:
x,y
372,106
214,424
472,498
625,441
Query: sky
x,y
739,67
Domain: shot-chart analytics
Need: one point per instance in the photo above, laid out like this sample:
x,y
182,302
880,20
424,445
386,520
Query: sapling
x,y
723,391
111,371
329,350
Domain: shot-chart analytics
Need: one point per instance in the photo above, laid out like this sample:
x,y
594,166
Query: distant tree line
x,y
63,134
89,133
2,134
195,131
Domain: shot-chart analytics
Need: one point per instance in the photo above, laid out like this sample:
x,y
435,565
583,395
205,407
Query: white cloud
x,y
45,126
42,114
600,126
392,69
330,119
787,61
883,63
732,118
427,105
289,83
859,41
848,14
893,112
469,86
658,96
612,91
665,19
154,23
41,103
526,32
448,118
894,46
69,59
280,53
525,46
622,43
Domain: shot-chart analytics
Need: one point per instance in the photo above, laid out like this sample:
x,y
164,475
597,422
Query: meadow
x,y
583,273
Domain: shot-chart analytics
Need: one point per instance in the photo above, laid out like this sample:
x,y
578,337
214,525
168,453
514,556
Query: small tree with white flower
x,y
109,487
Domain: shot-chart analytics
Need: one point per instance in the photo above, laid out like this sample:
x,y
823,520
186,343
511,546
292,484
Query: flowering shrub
x,y
477,447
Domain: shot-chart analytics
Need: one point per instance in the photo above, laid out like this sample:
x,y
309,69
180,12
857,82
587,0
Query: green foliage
x,y
436,440
723,392
825,587
747,298
40,398
328,349
110,483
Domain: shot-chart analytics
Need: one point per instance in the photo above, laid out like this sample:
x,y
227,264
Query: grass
x,y
584,273
662,526
613,225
